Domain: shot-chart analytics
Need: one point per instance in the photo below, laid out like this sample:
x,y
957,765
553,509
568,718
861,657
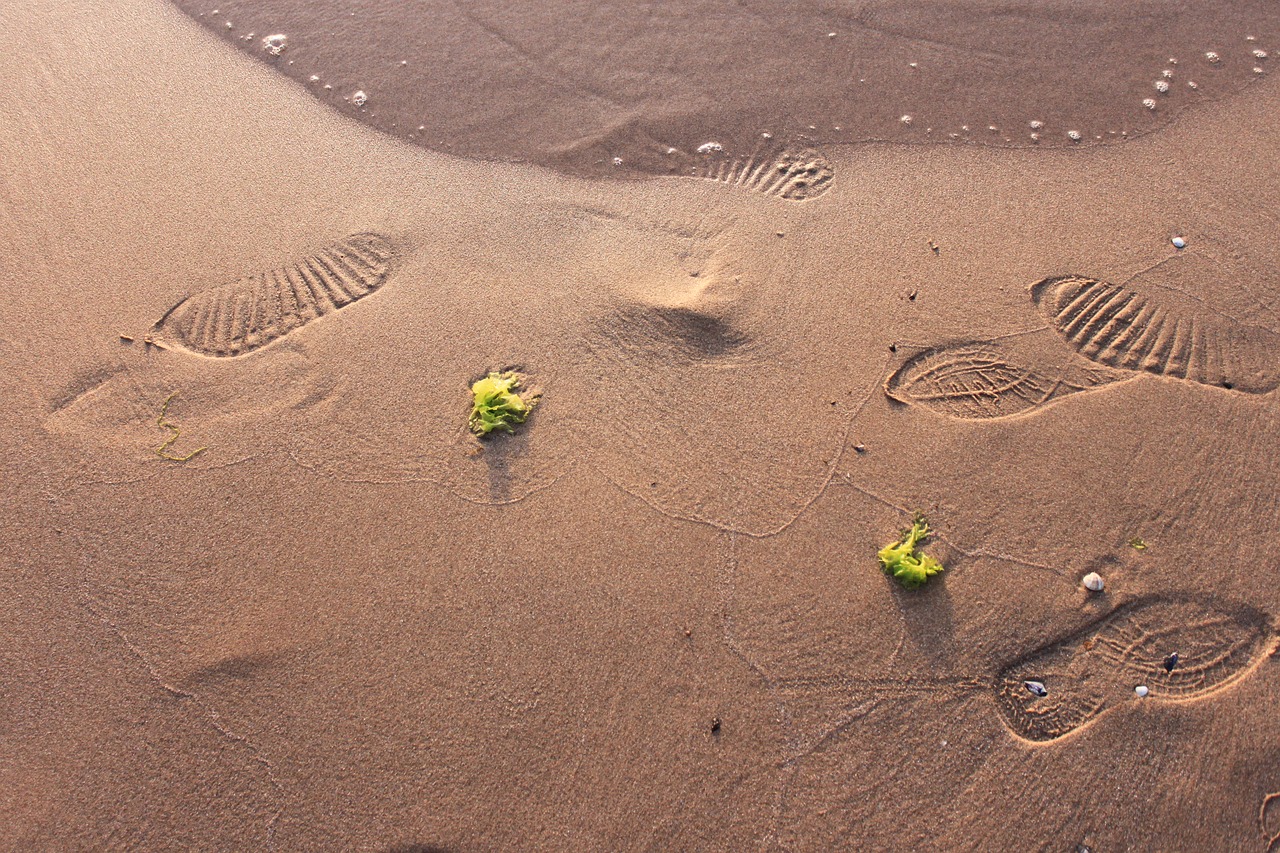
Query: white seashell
x,y
1093,582
1178,243
1037,125
1212,56
1149,103
359,98
905,119
1141,690
1162,85
1073,135
708,147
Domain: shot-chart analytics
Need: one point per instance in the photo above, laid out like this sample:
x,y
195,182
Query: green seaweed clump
x,y
901,560
497,406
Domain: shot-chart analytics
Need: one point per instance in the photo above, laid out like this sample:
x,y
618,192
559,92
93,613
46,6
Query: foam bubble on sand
x,y
275,44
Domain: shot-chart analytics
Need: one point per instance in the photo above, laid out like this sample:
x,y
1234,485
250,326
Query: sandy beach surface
x,y
265,590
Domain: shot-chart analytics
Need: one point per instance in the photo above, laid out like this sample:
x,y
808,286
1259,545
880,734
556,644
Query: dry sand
x,y
654,618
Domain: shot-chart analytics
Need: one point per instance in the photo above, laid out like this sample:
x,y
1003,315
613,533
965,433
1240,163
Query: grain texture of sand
x,y
326,616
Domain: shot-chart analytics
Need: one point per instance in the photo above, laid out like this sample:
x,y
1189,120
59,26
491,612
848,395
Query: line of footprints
x,y
1162,648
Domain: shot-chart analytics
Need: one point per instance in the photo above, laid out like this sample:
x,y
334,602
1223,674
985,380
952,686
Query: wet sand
x,y
628,89
654,617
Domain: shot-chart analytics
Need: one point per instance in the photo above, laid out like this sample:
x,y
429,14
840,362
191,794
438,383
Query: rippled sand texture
x,y
620,88
653,619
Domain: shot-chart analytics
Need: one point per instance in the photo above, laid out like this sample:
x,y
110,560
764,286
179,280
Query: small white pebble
x,y
403,63
314,78
1178,243
1141,690
905,119
1212,56
1037,125
1162,85
229,25
359,98
767,135
1167,74
1173,61
1192,84
1149,103
1092,582
709,147
1073,135
421,128
1035,137
328,86
1257,70
1259,54
1246,38
914,64
617,161
831,35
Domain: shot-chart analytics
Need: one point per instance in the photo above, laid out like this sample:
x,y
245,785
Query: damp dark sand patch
x,y
635,88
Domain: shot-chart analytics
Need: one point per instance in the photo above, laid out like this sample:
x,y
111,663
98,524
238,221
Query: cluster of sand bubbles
x,y
1164,86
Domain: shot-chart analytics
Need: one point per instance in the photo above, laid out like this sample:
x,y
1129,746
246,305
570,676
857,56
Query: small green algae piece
x,y
901,560
164,423
497,405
